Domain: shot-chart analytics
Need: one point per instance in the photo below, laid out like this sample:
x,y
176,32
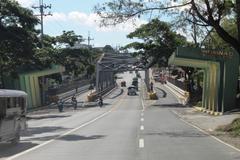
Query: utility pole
x,y
89,39
41,8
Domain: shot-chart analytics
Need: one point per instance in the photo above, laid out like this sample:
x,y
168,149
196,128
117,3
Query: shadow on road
x,y
173,105
71,137
74,137
162,93
47,117
39,130
7,149
179,134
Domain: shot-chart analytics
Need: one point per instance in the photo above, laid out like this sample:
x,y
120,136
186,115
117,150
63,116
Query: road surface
x,y
126,128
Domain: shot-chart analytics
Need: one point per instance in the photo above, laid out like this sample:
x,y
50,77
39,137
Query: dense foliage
x,y
21,49
158,42
18,38
207,14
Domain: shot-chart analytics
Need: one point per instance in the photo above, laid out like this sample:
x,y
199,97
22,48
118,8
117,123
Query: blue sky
x,y
78,15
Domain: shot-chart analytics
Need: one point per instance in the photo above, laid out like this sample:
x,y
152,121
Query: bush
x,y
232,128
153,96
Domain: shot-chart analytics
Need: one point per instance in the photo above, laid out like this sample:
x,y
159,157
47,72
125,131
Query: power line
x,y
41,8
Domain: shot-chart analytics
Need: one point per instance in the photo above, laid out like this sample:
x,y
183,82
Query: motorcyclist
x,y
100,101
74,102
60,105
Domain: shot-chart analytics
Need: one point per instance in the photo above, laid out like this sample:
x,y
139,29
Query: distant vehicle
x,y
13,108
123,84
132,90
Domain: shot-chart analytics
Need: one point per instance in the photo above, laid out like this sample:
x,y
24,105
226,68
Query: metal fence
x,y
67,87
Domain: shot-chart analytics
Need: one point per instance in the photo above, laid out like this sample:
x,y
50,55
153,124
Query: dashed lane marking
x,y
141,127
141,143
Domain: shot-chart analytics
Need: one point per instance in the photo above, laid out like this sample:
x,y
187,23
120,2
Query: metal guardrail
x,y
103,92
66,87
68,95
94,96
179,84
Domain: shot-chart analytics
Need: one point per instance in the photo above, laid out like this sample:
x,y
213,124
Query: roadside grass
x,y
232,128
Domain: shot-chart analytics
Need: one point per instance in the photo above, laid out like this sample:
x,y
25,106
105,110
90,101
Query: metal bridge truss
x,y
110,64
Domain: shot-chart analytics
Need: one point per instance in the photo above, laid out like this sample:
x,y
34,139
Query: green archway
x,y
220,75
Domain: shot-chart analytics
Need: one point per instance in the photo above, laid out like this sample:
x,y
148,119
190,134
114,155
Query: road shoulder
x,y
207,123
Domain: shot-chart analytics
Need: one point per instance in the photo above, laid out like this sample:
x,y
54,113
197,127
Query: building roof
x,y
12,93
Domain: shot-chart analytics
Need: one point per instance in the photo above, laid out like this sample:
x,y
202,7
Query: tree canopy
x,y
158,41
18,37
204,13
21,50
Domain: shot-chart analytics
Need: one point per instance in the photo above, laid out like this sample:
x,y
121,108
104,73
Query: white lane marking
x,y
142,119
201,130
60,136
141,127
64,134
143,106
141,143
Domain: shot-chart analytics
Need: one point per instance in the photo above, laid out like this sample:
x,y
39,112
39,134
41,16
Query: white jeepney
x,y
12,114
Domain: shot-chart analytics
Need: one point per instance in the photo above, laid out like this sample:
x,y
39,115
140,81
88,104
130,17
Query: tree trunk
x,y
227,38
238,17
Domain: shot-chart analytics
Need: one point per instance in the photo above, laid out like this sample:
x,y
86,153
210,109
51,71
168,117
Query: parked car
x,y
132,90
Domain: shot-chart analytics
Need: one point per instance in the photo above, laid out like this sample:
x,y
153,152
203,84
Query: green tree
x,y
108,49
69,38
18,38
75,60
203,13
213,40
158,42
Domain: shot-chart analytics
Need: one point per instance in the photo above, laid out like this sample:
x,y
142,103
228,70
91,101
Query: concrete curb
x,y
200,109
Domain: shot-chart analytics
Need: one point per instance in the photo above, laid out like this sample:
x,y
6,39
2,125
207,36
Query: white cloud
x,y
93,20
26,3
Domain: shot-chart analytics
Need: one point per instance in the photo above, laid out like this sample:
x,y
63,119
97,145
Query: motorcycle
x,y
100,102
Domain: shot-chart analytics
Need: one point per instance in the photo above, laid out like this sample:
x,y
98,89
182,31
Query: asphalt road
x,y
124,129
